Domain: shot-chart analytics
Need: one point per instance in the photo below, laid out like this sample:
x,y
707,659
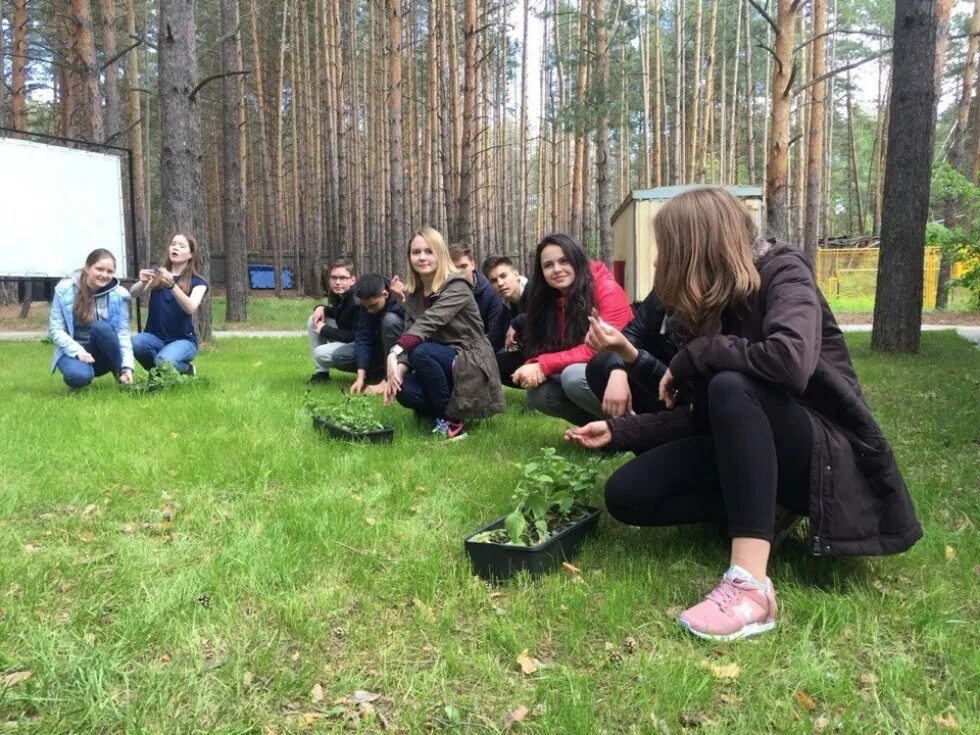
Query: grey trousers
x,y
567,396
328,355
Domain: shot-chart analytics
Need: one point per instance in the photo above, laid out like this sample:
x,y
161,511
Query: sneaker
x,y
738,607
451,430
191,370
319,377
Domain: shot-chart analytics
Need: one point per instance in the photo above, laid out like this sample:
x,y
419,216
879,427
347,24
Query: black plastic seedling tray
x,y
379,436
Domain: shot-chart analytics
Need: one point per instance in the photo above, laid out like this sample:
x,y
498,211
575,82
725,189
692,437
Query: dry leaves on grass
x,y
723,671
868,679
316,694
518,715
804,700
950,553
15,677
527,663
425,610
570,568
948,721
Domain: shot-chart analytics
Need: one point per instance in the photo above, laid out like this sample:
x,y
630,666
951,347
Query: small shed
x,y
634,247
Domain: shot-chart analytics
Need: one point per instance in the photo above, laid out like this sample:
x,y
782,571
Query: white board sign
x,y
56,206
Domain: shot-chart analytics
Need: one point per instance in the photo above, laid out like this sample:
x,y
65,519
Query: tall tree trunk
x,y
113,114
677,174
86,120
522,202
749,97
656,165
919,26
463,229
694,107
18,64
279,247
602,134
814,158
270,217
731,144
645,154
396,226
134,124
852,159
233,197
581,90
777,163
181,186
707,117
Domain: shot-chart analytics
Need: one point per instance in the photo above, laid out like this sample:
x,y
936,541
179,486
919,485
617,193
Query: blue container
x,y
263,277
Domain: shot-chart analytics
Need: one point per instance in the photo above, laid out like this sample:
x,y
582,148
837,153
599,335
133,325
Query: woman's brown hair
x,y
190,270
704,257
83,310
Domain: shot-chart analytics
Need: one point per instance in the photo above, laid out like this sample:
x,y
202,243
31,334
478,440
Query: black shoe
x,y
319,377
191,370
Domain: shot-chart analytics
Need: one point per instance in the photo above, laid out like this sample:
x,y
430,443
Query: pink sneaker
x,y
738,607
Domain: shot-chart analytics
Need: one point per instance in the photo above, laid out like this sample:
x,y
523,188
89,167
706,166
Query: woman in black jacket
x,y
783,420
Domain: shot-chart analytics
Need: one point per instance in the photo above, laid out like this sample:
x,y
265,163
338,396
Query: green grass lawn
x,y
201,561
289,312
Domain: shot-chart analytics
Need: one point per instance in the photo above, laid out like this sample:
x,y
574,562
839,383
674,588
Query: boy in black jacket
x,y
492,311
380,321
331,326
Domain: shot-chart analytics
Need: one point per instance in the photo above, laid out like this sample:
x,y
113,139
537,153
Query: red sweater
x,y
614,308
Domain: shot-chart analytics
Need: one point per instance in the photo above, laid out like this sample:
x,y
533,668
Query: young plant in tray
x,y
353,414
162,377
550,496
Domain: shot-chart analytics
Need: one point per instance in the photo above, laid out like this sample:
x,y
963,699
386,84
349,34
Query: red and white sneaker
x,y
448,429
738,607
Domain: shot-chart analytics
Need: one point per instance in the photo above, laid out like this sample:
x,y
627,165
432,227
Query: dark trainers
x,y
191,370
319,377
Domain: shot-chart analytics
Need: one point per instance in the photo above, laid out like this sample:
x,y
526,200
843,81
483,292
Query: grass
x,y
201,561
264,312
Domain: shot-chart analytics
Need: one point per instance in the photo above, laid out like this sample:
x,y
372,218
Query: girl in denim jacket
x,y
89,324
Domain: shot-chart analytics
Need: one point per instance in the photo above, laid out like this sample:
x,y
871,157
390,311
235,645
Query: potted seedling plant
x,y
163,377
353,418
550,519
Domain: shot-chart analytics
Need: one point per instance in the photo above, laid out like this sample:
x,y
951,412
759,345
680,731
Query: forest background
x,y
330,128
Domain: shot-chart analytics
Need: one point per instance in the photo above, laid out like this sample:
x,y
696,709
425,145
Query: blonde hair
x,y
704,257
444,264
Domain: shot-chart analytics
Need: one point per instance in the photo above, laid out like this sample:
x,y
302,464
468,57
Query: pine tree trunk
x,y
134,124
113,115
581,90
396,226
694,106
462,231
181,186
898,296
233,197
814,159
707,116
522,201
749,106
777,164
86,121
602,134
852,159
677,174
18,64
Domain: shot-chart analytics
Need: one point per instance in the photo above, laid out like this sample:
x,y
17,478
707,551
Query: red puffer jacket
x,y
614,308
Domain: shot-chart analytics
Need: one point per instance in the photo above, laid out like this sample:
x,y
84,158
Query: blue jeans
x,y
426,389
149,350
103,345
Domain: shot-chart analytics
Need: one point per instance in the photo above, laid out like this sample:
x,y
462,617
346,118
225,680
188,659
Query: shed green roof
x,y
662,193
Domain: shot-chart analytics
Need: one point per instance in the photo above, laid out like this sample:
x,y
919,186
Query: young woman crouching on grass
x,y
89,324
176,290
779,419
566,288
442,366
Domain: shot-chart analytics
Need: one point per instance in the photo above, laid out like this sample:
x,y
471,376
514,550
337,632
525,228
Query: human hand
x,y
510,340
357,386
390,388
529,375
375,390
603,338
84,356
126,376
396,287
617,399
166,276
594,435
667,391
146,275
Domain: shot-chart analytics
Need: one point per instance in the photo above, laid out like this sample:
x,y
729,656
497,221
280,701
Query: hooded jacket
x,y
859,504
112,300
613,308
492,311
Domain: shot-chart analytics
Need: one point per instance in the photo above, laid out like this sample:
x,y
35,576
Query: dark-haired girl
x,y
176,290
89,324
565,289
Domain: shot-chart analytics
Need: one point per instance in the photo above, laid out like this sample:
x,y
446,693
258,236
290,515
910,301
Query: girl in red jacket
x,y
563,293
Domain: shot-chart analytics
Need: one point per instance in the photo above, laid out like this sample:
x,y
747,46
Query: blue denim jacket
x,y
113,300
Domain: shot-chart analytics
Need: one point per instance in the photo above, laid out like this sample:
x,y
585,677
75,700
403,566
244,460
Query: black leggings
x,y
758,453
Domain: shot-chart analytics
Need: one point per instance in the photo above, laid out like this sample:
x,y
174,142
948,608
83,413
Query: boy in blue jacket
x,y
379,324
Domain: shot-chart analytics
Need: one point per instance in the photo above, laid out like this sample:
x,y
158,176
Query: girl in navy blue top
x,y
176,290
